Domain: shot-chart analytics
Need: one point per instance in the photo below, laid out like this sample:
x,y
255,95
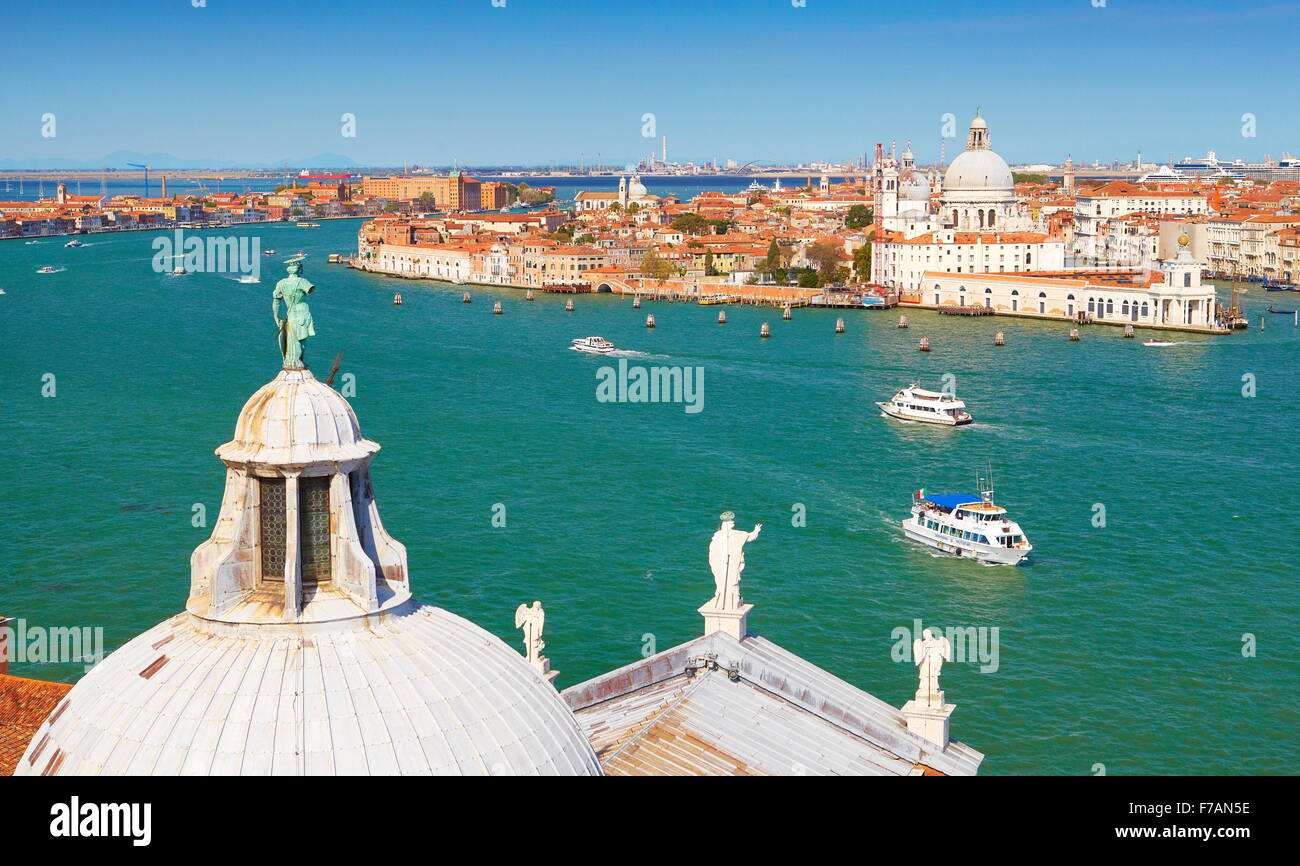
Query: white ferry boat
x,y
49,269
594,345
967,526
914,403
74,243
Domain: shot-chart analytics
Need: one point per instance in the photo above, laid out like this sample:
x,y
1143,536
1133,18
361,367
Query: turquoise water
x,y
1119,645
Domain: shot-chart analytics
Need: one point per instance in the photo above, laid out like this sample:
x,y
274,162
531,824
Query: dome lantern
x,y
301,650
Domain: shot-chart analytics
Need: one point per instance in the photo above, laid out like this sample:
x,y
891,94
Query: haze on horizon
x,y
540,82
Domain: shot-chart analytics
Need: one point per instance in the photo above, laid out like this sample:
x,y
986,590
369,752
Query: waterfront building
x,y
451,192
1172,297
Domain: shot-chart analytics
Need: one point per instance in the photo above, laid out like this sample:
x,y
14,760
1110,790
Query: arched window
x,y
1015,300
1092,305
954,217
991,220
1124,308
981,213
1042,303
1110,305
1069,305
1144,309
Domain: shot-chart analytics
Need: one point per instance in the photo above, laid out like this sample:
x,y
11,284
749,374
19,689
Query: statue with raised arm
x,y
929,653
727,560
296,326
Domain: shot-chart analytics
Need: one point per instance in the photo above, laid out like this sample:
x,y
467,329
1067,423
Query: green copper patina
x,y
296,326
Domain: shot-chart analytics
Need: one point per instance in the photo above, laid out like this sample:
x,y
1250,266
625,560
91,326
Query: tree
x,y
859,216
709,270
584,239
655,267
825,255
633,207
691,224
862,263
427,202
809,280
721,227
773,261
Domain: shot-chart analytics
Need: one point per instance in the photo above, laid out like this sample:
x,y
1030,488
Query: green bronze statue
x,y
296,326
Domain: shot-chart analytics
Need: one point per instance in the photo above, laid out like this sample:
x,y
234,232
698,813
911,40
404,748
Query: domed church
x,y
301,649
978,191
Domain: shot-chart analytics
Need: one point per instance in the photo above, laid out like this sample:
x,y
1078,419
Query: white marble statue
x,y
727,559
929,653
531,620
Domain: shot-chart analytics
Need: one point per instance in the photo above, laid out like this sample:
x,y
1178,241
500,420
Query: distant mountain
x,y
121,159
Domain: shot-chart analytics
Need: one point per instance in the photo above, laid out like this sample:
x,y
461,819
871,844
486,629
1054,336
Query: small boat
x,y
710,300
967,526
48,269
1279,287
914,403
457,281
335,259
268,252
2,291
308,225
1281,312
179,271
1159,344
74,243
29,243
594,345
249,278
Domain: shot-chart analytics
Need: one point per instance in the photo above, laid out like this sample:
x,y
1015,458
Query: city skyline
x,y
1053,82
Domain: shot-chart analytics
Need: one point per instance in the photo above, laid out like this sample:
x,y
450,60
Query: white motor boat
x,y
967,526
179,271
914,403
1159,344
594,345
74,244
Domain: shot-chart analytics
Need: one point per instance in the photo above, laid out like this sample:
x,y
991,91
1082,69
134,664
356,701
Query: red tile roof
x,y
24,706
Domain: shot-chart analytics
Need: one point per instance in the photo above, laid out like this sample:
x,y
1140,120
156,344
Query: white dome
x,y
416,691
636,189
978,170
914,187
294,419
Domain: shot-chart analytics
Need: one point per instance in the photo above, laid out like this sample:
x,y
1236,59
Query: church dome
x,y
914,187
301,650
636,189
978,170
419,691
296,419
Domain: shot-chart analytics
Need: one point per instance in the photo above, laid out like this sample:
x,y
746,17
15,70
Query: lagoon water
x,y
1118,645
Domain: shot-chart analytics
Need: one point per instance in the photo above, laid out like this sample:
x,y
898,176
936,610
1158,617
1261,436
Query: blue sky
x,y
543,81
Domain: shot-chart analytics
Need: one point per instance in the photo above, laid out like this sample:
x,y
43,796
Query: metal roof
x,y
747,708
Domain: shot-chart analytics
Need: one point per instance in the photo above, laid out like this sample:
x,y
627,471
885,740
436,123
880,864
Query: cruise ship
x,y
967,526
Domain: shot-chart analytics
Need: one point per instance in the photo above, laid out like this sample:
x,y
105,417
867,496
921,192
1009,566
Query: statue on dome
x,y
296,326
532,620
727,560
